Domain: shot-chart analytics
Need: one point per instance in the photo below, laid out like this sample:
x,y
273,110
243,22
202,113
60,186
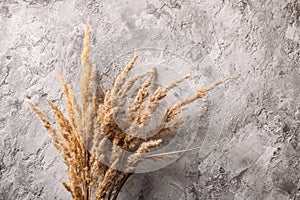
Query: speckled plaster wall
x,y
257,153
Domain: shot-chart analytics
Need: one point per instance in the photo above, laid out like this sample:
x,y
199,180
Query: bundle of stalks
x,y
92,143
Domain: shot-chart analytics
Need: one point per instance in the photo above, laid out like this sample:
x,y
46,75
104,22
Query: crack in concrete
x,y
3,81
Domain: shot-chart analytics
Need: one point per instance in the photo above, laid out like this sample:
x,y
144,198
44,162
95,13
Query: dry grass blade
x,y
162,155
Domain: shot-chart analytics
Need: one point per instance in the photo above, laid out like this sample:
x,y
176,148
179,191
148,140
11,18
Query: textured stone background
x,y
257,155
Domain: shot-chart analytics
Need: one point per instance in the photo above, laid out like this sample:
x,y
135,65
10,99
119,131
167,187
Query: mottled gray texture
x,y
257,154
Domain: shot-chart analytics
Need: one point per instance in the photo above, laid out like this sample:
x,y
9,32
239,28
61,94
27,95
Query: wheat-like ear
x,y
158,95
140,100
86,75
122,77
56,140
129,84
144,148
203,91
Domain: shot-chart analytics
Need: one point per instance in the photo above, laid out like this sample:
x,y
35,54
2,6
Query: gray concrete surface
x,y
257,154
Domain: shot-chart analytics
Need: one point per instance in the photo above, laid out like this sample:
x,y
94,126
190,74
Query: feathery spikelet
x,y
144,148
122,77
56,140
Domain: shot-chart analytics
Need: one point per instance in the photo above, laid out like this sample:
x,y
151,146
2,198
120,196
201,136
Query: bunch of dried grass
x,y
91,125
